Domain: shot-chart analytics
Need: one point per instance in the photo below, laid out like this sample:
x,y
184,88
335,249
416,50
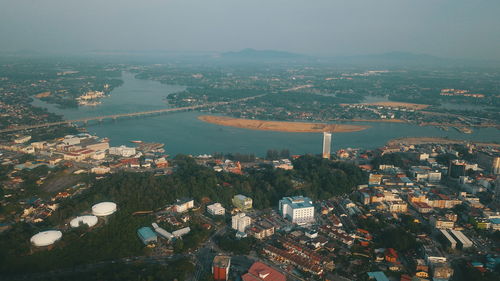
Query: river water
x,y
183,133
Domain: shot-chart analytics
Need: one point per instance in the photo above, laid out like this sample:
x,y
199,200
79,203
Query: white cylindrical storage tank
x,y
89,220
103,209
46,238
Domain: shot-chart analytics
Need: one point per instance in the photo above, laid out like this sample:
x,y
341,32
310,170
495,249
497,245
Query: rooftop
x,y
242,197
260,271
298,202
146,233
221,261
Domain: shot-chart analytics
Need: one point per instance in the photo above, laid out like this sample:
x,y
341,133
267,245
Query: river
x,y
183,133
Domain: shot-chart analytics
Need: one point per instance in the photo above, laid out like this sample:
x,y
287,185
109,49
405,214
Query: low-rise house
x,y
183,205
100,170
262,272
216,209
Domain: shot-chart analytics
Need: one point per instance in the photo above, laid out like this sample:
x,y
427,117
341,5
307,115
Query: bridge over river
x,y
133,114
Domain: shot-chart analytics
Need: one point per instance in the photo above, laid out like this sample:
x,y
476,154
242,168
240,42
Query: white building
x,y
284,164
100,170
424,173
162,232
28,149
240,222
39,144
71,140
423,156
181,232
297,209
461,239
433,255
327,144
122,151
452,243
183,205
216,209
22,139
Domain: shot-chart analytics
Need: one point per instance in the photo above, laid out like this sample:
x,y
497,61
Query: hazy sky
x,y
450,28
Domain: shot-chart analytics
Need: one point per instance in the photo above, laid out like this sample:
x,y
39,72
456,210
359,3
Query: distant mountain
x,y
260,55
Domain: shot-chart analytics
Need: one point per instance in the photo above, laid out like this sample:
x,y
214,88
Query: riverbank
x,y
376,120
281,126
429,140
414,106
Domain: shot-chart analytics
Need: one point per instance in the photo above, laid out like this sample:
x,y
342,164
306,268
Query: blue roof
x,y
378,275
495,221
146,234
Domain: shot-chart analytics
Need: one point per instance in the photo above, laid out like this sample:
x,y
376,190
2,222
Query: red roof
x,y
392,252
129,161
366,167
444,197
421,205
363,231
260,271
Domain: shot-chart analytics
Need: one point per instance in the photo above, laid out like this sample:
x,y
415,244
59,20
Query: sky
x,y
446,28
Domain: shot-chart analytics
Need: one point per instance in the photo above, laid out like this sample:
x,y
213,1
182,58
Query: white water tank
x,y
103,209
46,238
89,220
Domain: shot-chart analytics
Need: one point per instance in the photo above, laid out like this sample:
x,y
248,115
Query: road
x,y
206,253
89,267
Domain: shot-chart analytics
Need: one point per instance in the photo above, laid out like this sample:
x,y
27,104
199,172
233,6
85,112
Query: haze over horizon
x,y
446,28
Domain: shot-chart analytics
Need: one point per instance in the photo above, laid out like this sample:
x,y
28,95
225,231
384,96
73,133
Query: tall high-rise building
x,y
457,168
496,165
327,144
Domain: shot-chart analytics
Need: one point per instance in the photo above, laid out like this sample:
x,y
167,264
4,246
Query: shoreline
x,y
375,120
408,105
435,140
281,126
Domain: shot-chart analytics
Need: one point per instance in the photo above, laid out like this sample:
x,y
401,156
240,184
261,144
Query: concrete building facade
x,y
240,222
297,209
327,144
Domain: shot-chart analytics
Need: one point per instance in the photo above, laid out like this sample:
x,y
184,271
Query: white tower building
x,y
327,144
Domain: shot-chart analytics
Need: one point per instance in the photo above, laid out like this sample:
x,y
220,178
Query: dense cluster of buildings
x,y
88,149
309,236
